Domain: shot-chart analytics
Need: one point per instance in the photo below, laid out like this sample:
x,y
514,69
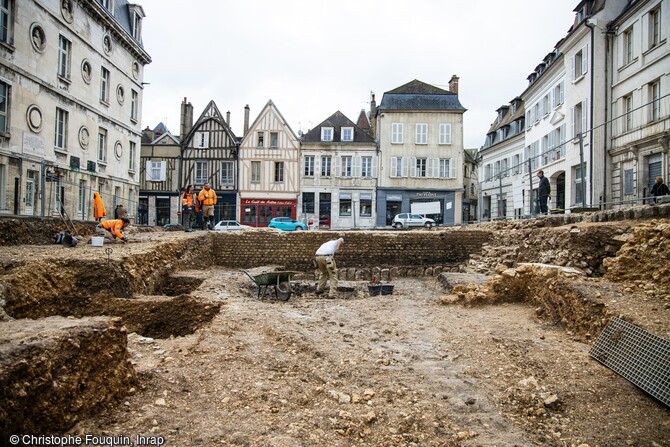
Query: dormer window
x,y
326,134
347,134
108,5
136,16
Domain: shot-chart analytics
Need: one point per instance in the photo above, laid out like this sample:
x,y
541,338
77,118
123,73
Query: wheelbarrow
x,y
280,281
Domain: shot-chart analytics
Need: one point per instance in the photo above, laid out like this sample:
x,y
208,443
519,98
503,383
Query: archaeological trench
x,y
66,313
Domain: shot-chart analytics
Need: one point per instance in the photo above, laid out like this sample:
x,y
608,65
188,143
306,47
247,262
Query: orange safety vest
x,y
114,227
98,207
207,197
189,200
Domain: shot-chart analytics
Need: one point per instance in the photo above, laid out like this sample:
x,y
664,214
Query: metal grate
x,y
637,355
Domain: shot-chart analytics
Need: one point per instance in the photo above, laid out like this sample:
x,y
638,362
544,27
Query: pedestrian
x,y
98,207
659,189
543,192
120,212
325,261
207,199
189,205
111,229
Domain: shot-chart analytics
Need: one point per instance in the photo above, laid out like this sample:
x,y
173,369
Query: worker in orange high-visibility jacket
x,y
189,206
98,207
111,229
207,199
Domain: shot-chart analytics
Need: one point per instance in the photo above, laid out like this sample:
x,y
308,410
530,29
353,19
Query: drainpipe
x,y
591,26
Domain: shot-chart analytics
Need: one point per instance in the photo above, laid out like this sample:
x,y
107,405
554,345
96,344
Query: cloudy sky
x,y
313,57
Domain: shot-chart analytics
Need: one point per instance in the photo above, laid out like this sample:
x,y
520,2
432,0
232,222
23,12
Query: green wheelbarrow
x,y
280,281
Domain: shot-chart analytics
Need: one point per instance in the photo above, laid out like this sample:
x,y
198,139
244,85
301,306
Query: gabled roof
x,y
417,95
363,121
165,135
211,112
338,120
270,105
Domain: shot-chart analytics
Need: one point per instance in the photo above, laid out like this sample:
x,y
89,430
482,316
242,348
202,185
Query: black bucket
x,y
375,290
69,241
387,289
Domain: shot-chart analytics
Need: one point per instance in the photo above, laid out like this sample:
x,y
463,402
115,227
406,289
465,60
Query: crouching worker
x,y
111,229
325,261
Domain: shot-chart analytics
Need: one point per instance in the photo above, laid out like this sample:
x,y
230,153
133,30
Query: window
x,y
104,85
131,154
137,25
102,145
488,171
4,108
201,172
64,49
308,166
448,169
628,107
279,172
420,167
325,166
628,182
545,105
628,46
558,94
347,134
517,164
445,133
655,95
579,193
326,134
201,140
255,172
579,123
261,139
398,167
60,141
274,139
536,112
346,166
345,204
6,21
655,27
155,171
134,102
308,202
396,133
365,205
227,173
579,64
421,133
366,166
496,169
107,4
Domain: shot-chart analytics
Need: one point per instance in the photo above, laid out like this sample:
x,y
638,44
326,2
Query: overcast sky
x,y
314,57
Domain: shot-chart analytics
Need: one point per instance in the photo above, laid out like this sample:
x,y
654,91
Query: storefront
x,y
437,205
259,212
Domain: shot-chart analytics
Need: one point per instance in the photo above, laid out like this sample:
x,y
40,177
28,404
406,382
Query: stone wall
x,y
361,249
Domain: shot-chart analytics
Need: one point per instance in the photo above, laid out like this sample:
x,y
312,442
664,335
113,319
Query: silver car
x,y
411,220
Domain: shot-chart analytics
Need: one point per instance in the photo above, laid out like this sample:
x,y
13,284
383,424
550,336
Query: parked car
x,y
324,220
411,220
286,224
230,225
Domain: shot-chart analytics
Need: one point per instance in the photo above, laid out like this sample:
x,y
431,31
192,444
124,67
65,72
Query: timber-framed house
x,y
209,154
269,169
159,177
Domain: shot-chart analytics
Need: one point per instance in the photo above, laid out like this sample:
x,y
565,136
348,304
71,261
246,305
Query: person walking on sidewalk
x,y
325,261
207,199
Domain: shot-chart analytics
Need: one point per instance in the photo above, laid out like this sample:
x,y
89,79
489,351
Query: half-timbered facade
x,y
209,154
159,177
339,166
269,169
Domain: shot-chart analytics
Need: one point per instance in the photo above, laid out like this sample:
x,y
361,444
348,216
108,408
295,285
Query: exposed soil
x,y
396,370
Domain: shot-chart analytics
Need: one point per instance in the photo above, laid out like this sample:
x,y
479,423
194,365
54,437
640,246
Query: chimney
x,y
186,123
373,116
453,84
246,119
228,118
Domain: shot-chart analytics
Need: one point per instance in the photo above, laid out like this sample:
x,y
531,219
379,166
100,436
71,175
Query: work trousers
x,y
186,217
327,274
